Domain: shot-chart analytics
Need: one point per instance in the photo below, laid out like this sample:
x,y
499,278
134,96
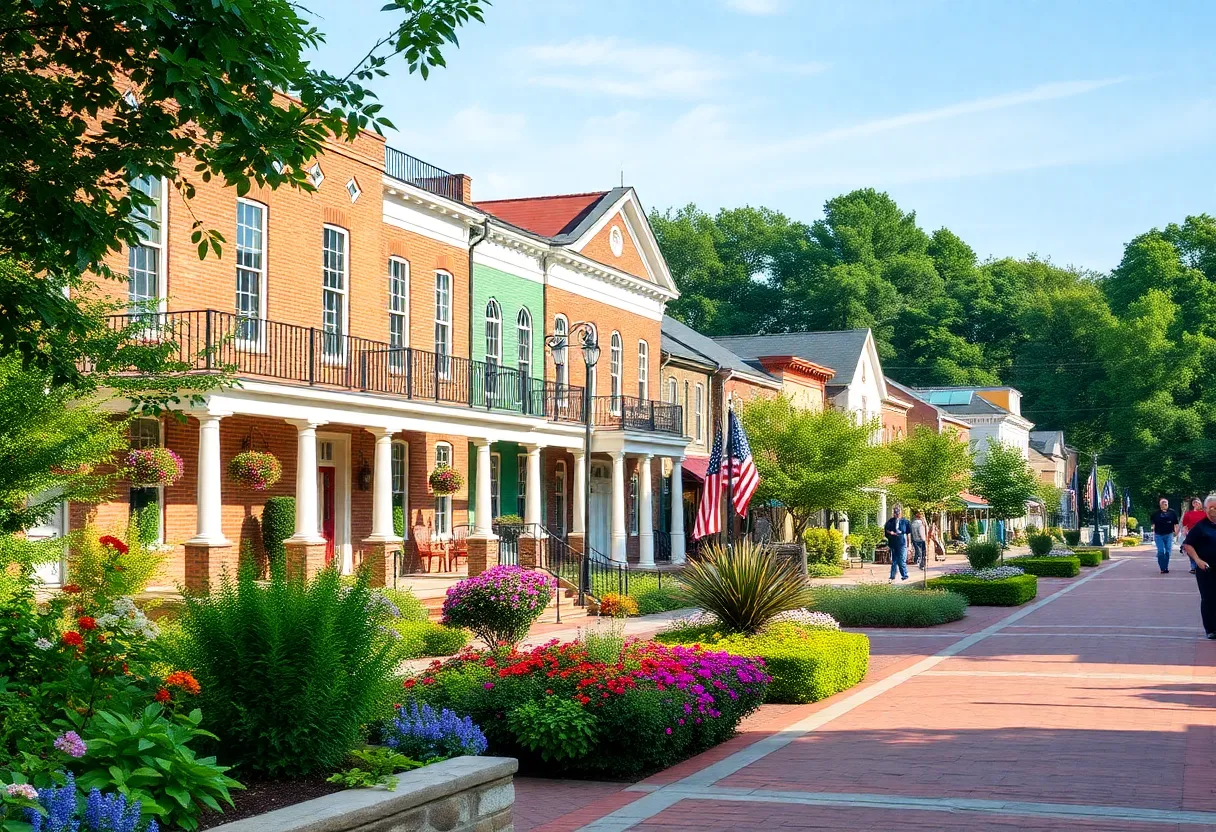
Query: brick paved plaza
x,y
1092,708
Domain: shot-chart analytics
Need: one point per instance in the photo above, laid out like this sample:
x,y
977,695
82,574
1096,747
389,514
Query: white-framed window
x,y
643,371
147,502
687,409
616,356
146,261
398,312
523,336
561,357
521,485
493,348
635,507
673,391
495,486
443,322
699,413
443,502
250,270
401,483
558,522
335,280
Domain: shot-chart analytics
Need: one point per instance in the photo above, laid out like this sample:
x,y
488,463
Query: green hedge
x,y
806,665
1007,592
1103,552
278,524
880,605
824,570
1072,537
1045,567
422,639
1090,557
651,601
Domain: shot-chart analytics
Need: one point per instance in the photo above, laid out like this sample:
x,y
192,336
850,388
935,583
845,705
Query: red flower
x,y
86,622
114,543
409,683
162,695
72,639
70,589
183,680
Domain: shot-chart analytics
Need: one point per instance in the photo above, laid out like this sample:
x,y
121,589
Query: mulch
x,y
261,796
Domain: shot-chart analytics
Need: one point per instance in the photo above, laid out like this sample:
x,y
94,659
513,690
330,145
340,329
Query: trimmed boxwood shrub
x,y
823,546
651,601
879,605
1040,544
806,664
1006,592
982,554
824,570
423,639
1072,537
1048,567
1090,556
278,524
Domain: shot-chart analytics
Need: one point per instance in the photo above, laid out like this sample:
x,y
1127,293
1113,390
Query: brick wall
x,y
687,380
599,248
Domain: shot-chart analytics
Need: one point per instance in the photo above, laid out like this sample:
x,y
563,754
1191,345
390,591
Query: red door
x,y
327,512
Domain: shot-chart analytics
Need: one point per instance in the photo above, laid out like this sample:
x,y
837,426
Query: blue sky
x,y
1058,128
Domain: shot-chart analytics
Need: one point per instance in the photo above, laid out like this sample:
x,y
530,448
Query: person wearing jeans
x,y
1165,523
1200,547
917,533
897,530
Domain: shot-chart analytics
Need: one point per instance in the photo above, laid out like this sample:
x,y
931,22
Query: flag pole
x,y
1096,539
730,477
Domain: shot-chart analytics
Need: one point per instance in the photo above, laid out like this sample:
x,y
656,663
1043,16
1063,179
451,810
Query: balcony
x,y
213,341
630,413
420,174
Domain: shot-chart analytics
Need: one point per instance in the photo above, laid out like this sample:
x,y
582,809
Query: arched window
x,y
614,368
561,355
699,414
672,390
493,332
523,324
643,370
443,322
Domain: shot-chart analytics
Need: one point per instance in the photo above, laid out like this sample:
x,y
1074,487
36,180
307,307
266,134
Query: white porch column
x,y
307,528
882,507
645,514
382,489
483,523
618,507
677,509
210,531
532,500
580,493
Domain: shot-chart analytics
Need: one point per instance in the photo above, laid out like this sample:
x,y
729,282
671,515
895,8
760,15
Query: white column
x,y
532,502
307,528
580,493
382,488
882,507
677,509
645,514
618,507
210,498
483,523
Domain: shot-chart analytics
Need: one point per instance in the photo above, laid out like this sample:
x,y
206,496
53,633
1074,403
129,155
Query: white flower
x,y
996,573
808,619
22,790
43,644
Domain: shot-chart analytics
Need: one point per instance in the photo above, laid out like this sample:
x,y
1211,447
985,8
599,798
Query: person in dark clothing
x,y
1200,547
1165,523
897,531
1191,518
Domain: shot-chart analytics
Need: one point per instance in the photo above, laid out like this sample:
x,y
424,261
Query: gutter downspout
x,y
474,242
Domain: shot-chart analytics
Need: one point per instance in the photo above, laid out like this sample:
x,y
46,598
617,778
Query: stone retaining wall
x,y
466,794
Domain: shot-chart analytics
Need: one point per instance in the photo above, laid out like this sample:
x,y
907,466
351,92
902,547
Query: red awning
x,y
972,500
695,468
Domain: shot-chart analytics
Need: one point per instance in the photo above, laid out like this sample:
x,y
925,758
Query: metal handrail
x,y
410,169
632,413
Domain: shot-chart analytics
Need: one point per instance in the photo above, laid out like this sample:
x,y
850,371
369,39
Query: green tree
x,y
813,461
1005,480
931,468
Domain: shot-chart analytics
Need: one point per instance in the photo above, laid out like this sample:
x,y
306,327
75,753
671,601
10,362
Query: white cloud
x,y
478,125
754,7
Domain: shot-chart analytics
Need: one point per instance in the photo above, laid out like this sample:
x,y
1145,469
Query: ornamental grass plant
x,y
881,605
291,670
745,587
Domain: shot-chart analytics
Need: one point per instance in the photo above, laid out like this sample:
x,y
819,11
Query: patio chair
x,y
852,556
458,547
427,549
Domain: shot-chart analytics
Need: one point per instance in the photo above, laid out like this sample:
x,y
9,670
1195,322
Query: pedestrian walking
x,y
935,542
1191,519
1165,524
897,530
1200,547
919,533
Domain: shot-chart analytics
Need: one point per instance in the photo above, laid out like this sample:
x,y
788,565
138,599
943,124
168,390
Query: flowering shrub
x,y
500,604
256,470
109,567
996,573
806,619
101,812
445,480
420,733
654,706
154,466
615,605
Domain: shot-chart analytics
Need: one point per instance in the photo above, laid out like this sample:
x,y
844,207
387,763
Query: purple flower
x,y
71,744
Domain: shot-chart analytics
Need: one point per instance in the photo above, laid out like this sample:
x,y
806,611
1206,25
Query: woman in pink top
x,y
1192,518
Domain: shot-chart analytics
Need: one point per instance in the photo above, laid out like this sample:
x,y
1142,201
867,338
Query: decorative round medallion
x,y
616,240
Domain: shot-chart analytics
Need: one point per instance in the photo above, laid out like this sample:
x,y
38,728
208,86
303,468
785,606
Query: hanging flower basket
x,y
256,470
445,480
154,466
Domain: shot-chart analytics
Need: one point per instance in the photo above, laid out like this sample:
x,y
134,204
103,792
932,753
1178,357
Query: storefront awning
x,y
695,468
972,501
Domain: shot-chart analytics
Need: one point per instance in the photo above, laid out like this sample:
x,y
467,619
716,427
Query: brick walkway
x,y
1092,708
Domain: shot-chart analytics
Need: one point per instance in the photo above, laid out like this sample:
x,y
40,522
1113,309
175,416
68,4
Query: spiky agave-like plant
x,y
745,587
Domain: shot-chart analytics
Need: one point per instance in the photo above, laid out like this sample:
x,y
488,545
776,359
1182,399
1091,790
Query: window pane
x,y
333,319
521,487
145,433
250,253
148,217
143,269
495,487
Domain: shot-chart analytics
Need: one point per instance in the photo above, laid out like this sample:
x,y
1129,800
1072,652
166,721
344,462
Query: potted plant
x,y
445,480
256,470
154,466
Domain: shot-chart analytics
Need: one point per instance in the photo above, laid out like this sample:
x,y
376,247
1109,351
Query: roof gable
x,y
548,216
615,244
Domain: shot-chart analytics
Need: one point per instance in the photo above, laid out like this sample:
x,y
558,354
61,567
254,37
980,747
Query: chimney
x,y
466,188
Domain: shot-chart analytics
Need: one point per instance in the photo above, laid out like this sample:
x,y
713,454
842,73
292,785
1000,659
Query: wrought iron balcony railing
x,y
632,413
213,341
416,172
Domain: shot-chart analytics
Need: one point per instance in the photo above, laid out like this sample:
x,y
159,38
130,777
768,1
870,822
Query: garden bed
x,y
880,605
262,796
1048,566
1003,592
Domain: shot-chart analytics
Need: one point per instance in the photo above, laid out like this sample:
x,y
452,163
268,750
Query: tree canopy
x,y
931,468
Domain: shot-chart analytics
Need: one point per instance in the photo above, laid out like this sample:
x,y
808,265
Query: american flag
x,y
1108,494
744,476
1089,492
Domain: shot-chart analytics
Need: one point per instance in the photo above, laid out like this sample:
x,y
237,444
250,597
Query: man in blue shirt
x,y
1165,524
897,531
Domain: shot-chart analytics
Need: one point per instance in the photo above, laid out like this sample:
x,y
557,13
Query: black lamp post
x,y
558,344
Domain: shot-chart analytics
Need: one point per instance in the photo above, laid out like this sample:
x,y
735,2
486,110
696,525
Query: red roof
x,y
547,216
